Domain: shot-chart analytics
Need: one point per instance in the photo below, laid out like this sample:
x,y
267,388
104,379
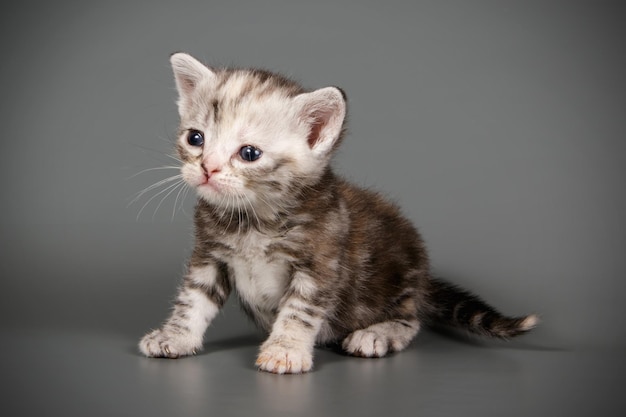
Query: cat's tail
x,y
453,306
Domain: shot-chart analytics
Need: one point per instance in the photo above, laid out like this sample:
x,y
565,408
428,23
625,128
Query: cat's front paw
x,y
280,359
168,343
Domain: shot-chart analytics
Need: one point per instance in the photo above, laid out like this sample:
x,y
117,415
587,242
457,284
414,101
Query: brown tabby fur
x,y
351,259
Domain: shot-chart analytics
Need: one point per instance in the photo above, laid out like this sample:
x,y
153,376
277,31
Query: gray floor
x,y
498,127
70,350
71,324
73,372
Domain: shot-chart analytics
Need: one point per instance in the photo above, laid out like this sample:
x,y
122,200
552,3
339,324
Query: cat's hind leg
x,y
380,339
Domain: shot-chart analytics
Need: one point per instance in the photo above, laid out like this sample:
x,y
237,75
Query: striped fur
x,y
312,258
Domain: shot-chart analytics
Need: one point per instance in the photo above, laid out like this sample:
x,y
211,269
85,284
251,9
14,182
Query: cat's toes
x,y
366,343
164,343
282,360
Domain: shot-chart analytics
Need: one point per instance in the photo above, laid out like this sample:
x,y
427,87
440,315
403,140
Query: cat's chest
x,y
259,276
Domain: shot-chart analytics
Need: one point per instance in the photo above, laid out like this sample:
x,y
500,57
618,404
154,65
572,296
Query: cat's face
x,y
249,138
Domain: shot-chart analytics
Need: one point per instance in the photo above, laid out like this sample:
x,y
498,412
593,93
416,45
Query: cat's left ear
x,y
323,111
189,73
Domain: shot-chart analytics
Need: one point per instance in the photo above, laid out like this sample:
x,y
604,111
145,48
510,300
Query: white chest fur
x,y
259,280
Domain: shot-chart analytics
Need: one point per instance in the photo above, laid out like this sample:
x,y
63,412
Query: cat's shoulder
x,y
358,197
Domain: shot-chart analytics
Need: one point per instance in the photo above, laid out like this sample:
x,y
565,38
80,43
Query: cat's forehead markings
x,y
238,85
212,112
216,108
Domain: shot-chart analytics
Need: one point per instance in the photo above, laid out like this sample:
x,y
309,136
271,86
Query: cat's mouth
x,y
211,186
214,188
210,193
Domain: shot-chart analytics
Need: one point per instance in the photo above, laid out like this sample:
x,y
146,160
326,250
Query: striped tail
x,y
456,307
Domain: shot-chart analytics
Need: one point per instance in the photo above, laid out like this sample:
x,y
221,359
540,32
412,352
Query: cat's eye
x,y
195,138
250,153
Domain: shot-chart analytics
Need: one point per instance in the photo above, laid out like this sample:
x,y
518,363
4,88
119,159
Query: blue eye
x,y
195,138
250,153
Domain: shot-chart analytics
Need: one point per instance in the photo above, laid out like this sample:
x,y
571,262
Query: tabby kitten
x,y
313,259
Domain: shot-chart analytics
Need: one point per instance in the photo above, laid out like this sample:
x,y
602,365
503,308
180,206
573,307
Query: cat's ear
x,y
323,111
188,73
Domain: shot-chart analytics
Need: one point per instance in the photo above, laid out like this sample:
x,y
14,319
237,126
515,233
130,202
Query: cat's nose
x,y
209,170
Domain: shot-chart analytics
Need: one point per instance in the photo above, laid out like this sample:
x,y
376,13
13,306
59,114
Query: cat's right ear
x,y
323,111
189,73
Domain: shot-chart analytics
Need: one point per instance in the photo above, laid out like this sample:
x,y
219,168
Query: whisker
x,y
221,207
153,152
153,169
169,140
236,212
233,210
240,214
183,188
231,214
174,158
185,193
258,221
153,186
275,209
176,184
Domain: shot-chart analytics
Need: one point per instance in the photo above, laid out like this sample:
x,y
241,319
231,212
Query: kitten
x,y
313,259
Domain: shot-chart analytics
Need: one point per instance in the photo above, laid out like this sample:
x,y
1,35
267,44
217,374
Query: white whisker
x,y
153,169
153,186
186,189
221,207
240,214
231,214
176,184
175,158
273,208
258,221
182,189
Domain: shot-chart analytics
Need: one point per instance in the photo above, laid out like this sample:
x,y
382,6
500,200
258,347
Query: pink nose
x,y
209,170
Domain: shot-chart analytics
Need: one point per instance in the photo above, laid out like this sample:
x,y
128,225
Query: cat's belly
x,y
260,285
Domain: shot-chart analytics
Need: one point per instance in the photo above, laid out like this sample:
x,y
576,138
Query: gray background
x,y
497,126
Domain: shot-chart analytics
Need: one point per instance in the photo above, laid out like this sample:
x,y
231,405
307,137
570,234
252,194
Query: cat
x,y
312,258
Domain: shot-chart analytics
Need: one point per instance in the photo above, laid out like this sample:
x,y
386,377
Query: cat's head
x,y
250,137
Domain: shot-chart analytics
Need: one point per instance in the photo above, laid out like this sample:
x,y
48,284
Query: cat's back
x,y
371,211
379,231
